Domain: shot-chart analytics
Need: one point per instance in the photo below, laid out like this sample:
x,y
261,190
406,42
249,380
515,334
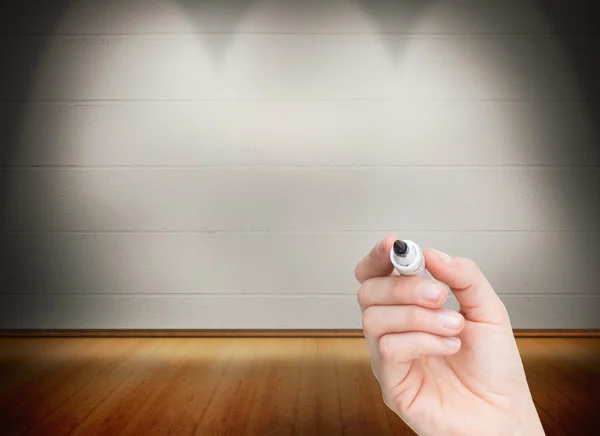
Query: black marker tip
x,y
400,248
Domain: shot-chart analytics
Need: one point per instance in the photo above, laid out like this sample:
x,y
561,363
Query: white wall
x,y
181,164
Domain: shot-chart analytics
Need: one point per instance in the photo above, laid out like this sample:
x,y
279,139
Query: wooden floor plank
x,y
372,393
559,367
274,408
76,401
31,360
248,386
361,411
175,408
228,411
25,404
318,408
130,387
549,393
557,406
551,428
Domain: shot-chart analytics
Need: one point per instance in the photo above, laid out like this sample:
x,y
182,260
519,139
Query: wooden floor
x,y
247,386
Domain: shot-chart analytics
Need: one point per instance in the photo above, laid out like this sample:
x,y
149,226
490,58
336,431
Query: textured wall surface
x,y
204,164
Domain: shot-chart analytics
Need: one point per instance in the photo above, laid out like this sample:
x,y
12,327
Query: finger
x,y
477,299
398,350
377,263
395,290
379,321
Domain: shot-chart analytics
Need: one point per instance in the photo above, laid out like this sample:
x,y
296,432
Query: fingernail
x,y
431,291
443,256
450,320
452,342
381,245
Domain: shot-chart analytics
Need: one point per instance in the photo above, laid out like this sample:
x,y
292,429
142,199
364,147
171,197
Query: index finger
x,y
377,263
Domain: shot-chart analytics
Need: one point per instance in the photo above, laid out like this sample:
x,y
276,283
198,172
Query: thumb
x,y
477,299
377,262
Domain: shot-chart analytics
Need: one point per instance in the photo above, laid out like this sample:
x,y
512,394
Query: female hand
x,y
443,372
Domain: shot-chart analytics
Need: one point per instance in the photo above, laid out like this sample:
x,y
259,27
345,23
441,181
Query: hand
x,y
443,372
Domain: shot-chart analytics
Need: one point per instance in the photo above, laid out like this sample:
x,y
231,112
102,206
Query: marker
x,y
408,260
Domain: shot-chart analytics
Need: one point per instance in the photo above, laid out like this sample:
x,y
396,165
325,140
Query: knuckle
x,y
399,289
413,316
357,274
369,319
470,264
415,289
361,294
386,348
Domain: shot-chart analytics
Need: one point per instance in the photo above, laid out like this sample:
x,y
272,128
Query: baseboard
x,y
177,333
167,333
